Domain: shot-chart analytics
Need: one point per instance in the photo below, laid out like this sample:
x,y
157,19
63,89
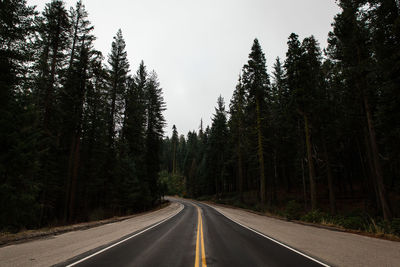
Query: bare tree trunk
x,y
240,174
311,170
371,175
387,214
74,179
74,159
69,180
274,182
304,184
332,200
260,155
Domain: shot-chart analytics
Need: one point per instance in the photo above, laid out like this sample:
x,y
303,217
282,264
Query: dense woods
x,y
315,137
80,136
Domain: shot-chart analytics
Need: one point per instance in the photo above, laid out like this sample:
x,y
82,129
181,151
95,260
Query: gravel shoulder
x,y
54,249
333,247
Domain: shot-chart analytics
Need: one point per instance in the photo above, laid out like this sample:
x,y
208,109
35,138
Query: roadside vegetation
x,y
80,136
316,138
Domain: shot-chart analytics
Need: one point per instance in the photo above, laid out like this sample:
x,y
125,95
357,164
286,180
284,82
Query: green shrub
x,y
395,226
315,216
97,214
293,210
353,222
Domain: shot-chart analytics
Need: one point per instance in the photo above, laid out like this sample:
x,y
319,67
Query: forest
x,y
80,135
316,139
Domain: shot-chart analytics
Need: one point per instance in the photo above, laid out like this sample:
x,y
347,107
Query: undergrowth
x,y
356,220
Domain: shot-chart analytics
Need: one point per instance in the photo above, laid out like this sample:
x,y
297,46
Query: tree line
x,y
80,137
321,129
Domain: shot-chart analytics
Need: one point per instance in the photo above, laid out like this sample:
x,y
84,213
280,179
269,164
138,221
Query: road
x,y
196,236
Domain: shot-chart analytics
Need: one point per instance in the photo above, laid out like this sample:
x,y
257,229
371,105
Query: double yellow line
x,y
200,259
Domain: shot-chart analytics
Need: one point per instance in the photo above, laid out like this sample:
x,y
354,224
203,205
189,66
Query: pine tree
x,y
19,184
72,99
52,40
94,139
307,98
280,130
135,115
237,130
54,27
174,141
256,82
155,106
218,145
385,41
350,46
118,71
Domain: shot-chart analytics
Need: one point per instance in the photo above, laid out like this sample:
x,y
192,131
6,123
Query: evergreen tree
x,y
385,41
256,82
51,43
174,141
117,72
94,138
54,27
155,106
307,98
218,145
237,130
135,116
350,46
72,99
19,184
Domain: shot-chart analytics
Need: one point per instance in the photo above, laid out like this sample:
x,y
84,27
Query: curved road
x,y
196,236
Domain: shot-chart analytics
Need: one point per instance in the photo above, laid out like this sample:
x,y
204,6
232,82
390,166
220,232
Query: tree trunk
x,y
174,159
74,159
69,179
369,175
260,156
74,179
387,214
74,39
311,170
332,201
48,109
240,174
304,184
274,182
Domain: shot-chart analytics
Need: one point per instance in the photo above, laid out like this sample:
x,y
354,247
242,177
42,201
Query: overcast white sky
x,y
198,47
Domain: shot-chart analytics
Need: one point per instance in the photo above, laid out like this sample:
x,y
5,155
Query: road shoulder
x,y
55,249
333,247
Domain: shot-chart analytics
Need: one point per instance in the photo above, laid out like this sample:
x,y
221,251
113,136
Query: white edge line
x,y
132,236
270,238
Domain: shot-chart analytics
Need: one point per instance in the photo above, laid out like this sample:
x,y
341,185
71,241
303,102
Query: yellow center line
x,y
196,263
200,242
203,252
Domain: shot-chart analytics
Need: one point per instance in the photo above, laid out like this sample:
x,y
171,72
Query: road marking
x,y
203,252
126,239
200,241
196,261
270,238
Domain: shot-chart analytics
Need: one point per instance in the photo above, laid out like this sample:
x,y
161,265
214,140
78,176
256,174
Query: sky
x,y
198,48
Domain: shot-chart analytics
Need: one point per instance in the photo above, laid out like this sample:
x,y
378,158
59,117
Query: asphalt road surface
x,y
196,236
